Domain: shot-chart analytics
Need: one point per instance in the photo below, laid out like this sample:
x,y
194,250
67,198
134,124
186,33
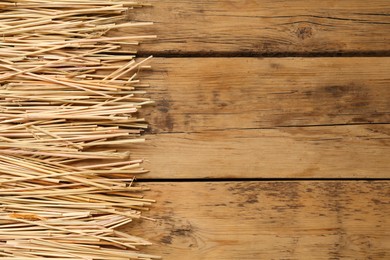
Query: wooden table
x,y
270,134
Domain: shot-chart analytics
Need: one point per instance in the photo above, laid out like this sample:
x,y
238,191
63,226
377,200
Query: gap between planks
x,y
233,180
240,54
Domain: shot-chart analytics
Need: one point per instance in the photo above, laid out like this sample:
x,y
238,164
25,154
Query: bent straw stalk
x,y
69,97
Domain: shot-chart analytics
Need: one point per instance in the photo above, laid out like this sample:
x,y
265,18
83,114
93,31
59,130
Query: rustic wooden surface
x,y
269,220
281,117
266,26
322,152
268,118
197,94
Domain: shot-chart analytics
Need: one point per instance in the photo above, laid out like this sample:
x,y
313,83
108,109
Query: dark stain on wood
x,y
337,91
164,121
178,228
252,200
304,32
163,105
217,101
334,100
182,231
275,65
169,122
187,119
166,240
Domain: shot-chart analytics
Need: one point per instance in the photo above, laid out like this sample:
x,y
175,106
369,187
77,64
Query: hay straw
x,y
69,97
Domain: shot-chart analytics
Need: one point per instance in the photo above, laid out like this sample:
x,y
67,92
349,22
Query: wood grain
x,y
269,220
197,94
266,26
304,152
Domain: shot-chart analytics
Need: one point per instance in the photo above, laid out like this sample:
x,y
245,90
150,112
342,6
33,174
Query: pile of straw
x,y
69,95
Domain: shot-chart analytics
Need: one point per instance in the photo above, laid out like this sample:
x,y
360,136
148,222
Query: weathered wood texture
x,y
266,26
269,220
280,117
243,117
195,94
326,152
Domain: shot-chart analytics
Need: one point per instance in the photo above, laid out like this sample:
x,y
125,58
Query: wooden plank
x,y
269,220
196,94
303,152
266,26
